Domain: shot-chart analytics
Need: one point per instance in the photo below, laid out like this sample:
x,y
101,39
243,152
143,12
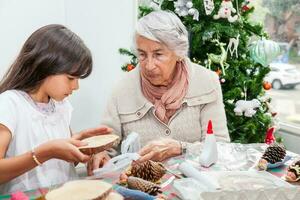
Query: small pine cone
x,y
142,185
295,168
274,153
148,170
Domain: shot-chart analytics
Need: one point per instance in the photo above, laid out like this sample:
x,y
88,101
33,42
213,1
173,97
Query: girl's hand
x,y
64,149
97,161
92,132
160,150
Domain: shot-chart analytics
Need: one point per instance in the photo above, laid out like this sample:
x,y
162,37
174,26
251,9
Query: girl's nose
x,y
75,84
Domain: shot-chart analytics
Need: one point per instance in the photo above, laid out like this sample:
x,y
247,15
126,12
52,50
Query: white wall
x,y
104,25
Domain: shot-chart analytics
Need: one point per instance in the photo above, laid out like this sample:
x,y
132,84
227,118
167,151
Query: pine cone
x,y
144,186
295,169
274,153
148,170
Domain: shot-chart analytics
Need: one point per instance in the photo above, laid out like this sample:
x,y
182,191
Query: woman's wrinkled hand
x,y
101,130
160,150
97,161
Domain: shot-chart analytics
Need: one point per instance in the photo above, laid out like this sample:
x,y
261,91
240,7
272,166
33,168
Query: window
x,y
282,23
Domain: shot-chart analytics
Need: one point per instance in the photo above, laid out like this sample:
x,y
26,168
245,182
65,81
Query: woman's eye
x,y
141,56
158,55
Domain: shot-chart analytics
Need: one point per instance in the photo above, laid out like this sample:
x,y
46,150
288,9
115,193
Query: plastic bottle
x,y
209,155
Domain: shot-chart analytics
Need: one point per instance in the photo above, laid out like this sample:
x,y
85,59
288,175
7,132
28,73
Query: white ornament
x,y
183,13
208,6
189,4
233,45
246,107
225,11
185,7
156,4
230,101
191,11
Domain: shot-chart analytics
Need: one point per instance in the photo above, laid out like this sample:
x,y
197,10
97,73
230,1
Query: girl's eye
x,y
71,78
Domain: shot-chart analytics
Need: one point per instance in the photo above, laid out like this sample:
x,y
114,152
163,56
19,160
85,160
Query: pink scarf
x,y
167,99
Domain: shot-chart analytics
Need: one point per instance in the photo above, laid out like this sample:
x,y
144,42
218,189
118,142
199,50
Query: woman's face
x,y
157,62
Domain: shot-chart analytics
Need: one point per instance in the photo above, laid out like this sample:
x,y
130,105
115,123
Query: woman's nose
x,y
150,64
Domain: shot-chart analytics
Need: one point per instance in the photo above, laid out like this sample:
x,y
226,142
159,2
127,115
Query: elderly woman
x,y
167,100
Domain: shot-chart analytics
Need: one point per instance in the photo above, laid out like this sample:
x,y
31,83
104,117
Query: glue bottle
x,y
209,155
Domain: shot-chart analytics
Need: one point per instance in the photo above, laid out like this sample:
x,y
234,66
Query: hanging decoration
x,y
155,4
219,59
267,85
225,11
270,138
218,72
185,7
130,67
208,6
271,110
264,51
233,45
244,107
247,5
248,108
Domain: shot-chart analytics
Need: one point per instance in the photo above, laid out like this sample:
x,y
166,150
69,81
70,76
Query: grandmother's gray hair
x,y
165,27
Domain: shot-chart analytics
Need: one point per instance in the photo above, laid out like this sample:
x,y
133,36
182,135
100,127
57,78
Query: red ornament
x,y
245,8
270,138
130,67
219,72
267,85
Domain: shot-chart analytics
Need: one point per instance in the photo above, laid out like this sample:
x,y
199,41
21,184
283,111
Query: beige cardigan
x,y
128,110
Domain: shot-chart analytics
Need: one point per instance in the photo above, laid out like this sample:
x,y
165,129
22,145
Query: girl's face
x,y
157,62
59,86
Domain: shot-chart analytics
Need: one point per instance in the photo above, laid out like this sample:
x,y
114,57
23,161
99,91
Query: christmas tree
x,y
220,34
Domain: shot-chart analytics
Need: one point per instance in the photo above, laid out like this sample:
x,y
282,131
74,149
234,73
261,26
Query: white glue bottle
x,y
209,153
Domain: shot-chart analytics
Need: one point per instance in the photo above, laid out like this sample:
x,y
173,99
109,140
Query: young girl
x,y
35,138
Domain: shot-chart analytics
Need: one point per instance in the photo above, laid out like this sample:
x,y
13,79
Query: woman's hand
x,y
97,161
63,149
101,130
160,150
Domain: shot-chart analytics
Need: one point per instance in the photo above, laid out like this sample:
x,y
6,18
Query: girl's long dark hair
x,y
51,50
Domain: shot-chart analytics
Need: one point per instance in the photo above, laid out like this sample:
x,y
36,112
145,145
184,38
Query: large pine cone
x,y
148,170
274,153
142,185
